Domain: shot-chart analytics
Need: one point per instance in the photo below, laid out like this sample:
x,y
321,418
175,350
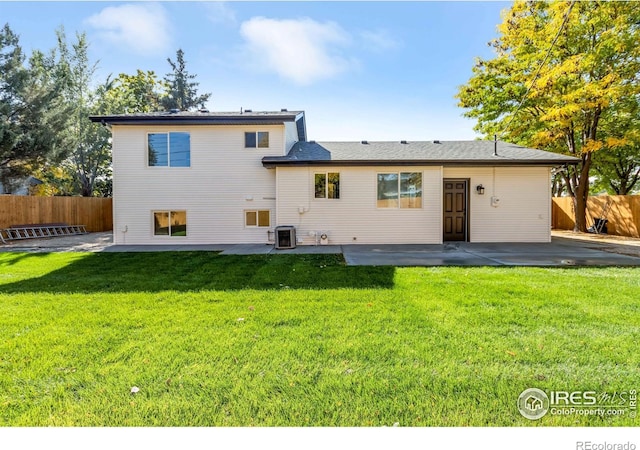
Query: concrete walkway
x,y
228,249
558,253
561,252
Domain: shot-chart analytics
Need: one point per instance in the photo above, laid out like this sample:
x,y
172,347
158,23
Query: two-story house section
x,y
197,177
215,178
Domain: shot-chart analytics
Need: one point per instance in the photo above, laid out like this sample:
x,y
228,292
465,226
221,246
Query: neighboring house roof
x,y
33,181
463,153
22,187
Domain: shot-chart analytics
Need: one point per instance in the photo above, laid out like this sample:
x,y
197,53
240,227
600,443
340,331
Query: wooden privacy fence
x,y
94,213
623,216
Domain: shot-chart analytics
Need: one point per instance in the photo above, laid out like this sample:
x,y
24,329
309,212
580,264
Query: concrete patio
x,y
565,251
559,253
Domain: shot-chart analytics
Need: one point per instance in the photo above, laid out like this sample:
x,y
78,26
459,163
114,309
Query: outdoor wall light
x,y
480,189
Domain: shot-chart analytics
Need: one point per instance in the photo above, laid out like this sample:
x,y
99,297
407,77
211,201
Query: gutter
x,y
191,120
270,164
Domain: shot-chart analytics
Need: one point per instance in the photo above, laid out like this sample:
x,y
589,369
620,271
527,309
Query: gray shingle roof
x,y
414,153
200,117
204,117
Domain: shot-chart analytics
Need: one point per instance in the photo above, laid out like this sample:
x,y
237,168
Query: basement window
x,y
170,223
257,218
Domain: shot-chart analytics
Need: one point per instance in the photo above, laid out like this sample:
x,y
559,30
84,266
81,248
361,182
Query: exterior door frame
x,y
467,183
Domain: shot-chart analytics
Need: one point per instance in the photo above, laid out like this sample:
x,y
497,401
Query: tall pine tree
x,y
182,92
31,112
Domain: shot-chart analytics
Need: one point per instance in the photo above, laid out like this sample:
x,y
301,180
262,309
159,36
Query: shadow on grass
x,y
189,271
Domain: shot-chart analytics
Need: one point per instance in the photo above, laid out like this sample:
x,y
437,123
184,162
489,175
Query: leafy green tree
x,y
182,92
89,143
31,112
127,94
560,69
618,169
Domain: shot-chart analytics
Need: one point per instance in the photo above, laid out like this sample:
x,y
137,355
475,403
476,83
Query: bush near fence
x,y
623,217
93,212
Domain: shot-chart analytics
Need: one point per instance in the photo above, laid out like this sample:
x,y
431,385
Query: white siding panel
x,y
355,214
224,179
291,136
524,212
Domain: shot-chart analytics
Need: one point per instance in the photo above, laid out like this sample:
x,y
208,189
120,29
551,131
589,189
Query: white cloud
x,y
379,40
301,50
220,12
141,28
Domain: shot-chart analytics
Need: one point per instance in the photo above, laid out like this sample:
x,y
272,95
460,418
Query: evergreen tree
x,y
89,143
31,112
182,93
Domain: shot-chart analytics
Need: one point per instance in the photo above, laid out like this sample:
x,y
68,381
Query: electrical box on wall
x,y
495,201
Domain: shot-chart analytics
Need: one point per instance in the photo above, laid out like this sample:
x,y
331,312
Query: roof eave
x,y
266,162
191,120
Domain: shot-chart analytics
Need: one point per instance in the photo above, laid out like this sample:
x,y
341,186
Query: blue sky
x,y
360,70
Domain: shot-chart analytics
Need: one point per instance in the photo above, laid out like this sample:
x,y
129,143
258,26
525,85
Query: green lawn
x,y
291,340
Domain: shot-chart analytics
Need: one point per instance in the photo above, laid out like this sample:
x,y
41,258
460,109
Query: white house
x,y
213,178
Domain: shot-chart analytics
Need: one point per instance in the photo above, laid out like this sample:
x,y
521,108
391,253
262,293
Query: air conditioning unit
x,y
285,237
324,238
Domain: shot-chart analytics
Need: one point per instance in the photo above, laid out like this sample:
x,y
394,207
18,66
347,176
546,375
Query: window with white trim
x,y
256,139
327,185
257,218
171,149
400,190
169,223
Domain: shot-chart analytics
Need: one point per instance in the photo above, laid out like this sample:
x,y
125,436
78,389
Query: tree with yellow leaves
x,y
561,72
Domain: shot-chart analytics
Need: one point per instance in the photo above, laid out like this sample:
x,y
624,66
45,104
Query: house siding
x,y
355,214
290,136
523,215
224,180
524,211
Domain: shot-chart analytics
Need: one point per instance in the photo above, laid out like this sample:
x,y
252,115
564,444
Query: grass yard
x,y
296,340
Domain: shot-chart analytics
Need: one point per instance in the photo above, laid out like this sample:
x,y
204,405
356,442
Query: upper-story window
x,y
256,139
169,149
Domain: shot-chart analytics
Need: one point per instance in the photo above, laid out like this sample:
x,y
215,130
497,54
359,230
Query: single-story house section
x,y
213,178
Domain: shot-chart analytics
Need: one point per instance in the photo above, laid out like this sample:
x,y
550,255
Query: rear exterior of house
x,y
216,178
448,209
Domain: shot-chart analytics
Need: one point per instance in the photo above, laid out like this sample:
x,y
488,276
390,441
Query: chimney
x,y
364,142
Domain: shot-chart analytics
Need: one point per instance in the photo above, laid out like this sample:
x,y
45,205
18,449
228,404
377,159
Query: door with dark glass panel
x,y
455,223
